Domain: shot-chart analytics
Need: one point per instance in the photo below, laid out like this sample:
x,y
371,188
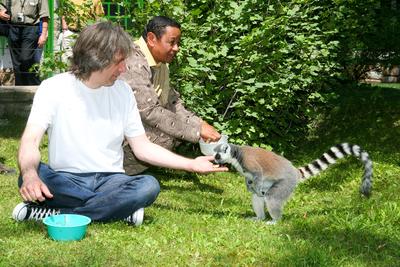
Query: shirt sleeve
x,y
43,107
44,9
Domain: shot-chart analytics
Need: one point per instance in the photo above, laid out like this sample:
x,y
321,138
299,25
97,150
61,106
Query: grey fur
x,y
272,178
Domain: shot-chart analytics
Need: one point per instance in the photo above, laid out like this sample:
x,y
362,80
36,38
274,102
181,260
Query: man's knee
x,y
151,188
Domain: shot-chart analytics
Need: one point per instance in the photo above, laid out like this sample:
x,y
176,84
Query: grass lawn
x,y
202,220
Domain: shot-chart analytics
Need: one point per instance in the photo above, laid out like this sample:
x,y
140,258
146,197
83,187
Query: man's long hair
x,y
97,47
157,26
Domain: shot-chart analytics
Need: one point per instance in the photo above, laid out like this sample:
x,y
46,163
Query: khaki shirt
x,y
160,73
33,11
160,107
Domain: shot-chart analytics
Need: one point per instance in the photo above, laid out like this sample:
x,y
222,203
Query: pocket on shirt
x,y
31,8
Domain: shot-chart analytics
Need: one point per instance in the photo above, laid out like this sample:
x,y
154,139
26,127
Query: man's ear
x,y
151,39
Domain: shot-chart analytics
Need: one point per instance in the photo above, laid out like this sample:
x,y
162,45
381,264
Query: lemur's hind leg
x,y
277,196
258,204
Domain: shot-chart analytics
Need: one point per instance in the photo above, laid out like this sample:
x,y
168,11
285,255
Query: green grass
x,y
202,220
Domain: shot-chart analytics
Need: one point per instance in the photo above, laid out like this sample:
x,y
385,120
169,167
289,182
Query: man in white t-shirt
x,y
87,114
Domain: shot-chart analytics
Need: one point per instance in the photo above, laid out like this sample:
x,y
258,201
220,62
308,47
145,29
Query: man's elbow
x,y
140,147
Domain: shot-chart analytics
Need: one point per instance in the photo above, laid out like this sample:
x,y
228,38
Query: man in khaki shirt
x,y
164,117
24,39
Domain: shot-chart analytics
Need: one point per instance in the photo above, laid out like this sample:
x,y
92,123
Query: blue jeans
x,y
100,196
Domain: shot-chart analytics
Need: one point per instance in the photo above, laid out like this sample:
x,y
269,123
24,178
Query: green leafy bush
x,y
256,71
259,70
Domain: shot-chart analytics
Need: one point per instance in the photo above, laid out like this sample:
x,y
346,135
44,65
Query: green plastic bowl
x,y
66,227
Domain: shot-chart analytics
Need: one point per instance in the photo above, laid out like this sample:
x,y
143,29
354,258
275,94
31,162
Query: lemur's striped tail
x,y
337,152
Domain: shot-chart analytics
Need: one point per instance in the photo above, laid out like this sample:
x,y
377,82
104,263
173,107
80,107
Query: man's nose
x,y
176,48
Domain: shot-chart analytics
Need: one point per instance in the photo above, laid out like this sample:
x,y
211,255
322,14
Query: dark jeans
x,y
23,42
100,196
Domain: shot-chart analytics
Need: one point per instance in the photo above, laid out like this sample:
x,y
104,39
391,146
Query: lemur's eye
x,y
249,181
225,148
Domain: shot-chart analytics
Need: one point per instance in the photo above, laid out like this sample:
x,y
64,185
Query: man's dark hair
x,y
157,26
97,47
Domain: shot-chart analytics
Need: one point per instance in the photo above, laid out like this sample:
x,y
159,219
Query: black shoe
x,y
32,211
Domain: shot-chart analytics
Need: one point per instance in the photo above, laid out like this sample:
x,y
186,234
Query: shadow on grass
x,y
365,246
336,176
166,175
12,127
364,115
216,213
319,245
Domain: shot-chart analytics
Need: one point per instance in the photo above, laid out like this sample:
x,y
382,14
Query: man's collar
x,y
149,57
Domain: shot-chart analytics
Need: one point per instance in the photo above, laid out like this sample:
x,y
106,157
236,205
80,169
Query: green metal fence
x,y
114,11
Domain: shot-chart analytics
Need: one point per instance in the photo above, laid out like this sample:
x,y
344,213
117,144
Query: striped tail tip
x,y
366,186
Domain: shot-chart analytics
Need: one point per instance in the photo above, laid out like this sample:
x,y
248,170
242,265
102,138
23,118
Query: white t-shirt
x,y
86,127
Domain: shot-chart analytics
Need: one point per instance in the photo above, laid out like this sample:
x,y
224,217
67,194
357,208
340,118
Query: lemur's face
x,y
222,153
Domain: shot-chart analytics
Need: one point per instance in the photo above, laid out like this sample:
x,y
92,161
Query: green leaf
x,y
192,62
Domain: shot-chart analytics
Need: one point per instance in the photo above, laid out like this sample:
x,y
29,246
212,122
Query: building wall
x,y
16,100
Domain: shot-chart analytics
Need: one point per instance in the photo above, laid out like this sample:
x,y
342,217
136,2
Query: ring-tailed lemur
x,y
272,178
